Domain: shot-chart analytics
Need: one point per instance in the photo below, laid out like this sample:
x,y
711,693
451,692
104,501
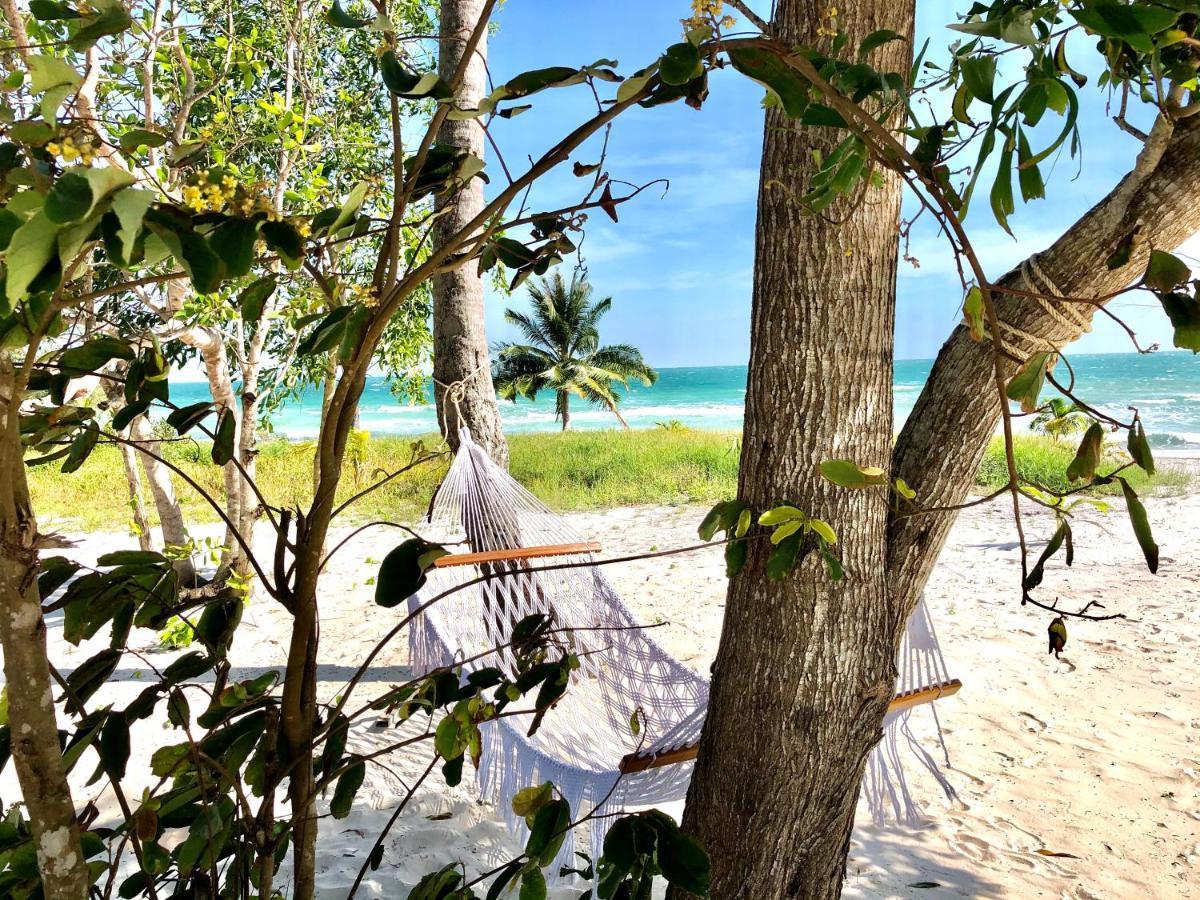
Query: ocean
x,y
1165,386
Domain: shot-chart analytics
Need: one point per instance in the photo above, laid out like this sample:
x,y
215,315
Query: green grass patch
x,y
1043,461
571,471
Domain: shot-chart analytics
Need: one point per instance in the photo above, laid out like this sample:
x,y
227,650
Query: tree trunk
x,y
35,746
162,489
804,669
943,441
564,409
460,347
137,499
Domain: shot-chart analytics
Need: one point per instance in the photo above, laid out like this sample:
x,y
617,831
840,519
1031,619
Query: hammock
x,y
588,750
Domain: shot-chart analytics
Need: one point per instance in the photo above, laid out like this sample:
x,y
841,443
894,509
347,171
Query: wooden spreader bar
x,y
639,762
489,556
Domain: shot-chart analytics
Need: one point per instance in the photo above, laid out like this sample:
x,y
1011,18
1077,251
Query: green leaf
x,y
973,313
410,85
285,239
683,861
50,10
402,572
186,418
735,557
1165,271
634,84
1087,457
783,82
53,77
680,64
781,514
81,449
1141,526
89,677
69,199
339,18
33,245
1026,385
350,208
548,831
527,801
539,79
877,39
95,354
1135,24
849,474
1184,312
223,437
783,558
130,207
136,138
233,243
823,530
112,19
1034,578
1139,447
347,786
114,746
327,334
533,885
979,75
253,300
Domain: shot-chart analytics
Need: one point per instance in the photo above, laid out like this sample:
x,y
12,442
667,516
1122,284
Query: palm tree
x,y
1059,419
563,353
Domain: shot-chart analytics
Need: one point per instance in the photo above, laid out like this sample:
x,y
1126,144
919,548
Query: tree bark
x,y
460,347
804,670
564,409
35,746
944,439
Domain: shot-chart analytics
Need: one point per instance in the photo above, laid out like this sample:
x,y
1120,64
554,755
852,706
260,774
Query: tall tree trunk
x,y
804,670
35,747
137,497
944,439
162,489
564,409
460,348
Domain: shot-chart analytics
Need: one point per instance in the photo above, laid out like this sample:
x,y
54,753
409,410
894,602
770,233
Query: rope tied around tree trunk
x,y
455,393
1073,321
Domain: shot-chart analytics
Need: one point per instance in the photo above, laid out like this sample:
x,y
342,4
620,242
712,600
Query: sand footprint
x,y
1032,722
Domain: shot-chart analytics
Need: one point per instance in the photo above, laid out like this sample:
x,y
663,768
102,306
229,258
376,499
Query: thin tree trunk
x,y
35,746
945,436
162,489
564,409
137,499
460,347
326,399
804,670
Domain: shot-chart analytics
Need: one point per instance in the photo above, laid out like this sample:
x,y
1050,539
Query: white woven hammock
x,y
579,747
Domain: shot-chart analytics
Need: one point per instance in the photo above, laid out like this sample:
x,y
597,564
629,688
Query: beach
x,y
1076,777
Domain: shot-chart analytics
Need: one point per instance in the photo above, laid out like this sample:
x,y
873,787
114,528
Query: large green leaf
x,y
549,830
253,300
1026,386
109,18
1139,447
348,784
233,243
539,79
770,71
979,75
680,64
33,245
1184,312
1165,271
1087,457
1133,23
223,437
849,474
54,78
402,572
1141,525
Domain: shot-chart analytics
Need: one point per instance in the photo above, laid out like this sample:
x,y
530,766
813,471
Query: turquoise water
x,y
1164,386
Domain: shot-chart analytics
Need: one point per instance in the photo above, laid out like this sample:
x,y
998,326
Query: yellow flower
x,y
53,149
69,153
229,181
304,229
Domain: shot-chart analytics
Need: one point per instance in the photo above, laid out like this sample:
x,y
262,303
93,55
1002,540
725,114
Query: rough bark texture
x,y
804,669
35,747
943,440
460,347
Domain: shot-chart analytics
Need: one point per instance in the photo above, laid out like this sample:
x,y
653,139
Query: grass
x,y
572,471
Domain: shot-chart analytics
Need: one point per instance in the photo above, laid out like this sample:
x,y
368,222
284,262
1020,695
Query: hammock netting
x,y
580,745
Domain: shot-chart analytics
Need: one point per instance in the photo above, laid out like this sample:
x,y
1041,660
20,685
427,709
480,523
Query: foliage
x,y
563,352
1059,418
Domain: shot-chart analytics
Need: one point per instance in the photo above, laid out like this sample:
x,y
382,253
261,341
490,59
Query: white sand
x,y
1096,755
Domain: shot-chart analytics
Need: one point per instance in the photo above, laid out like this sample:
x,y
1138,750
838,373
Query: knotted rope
x,y
455,393
1065,315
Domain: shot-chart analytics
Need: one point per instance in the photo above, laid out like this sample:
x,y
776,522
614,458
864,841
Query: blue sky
x,y
679,263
